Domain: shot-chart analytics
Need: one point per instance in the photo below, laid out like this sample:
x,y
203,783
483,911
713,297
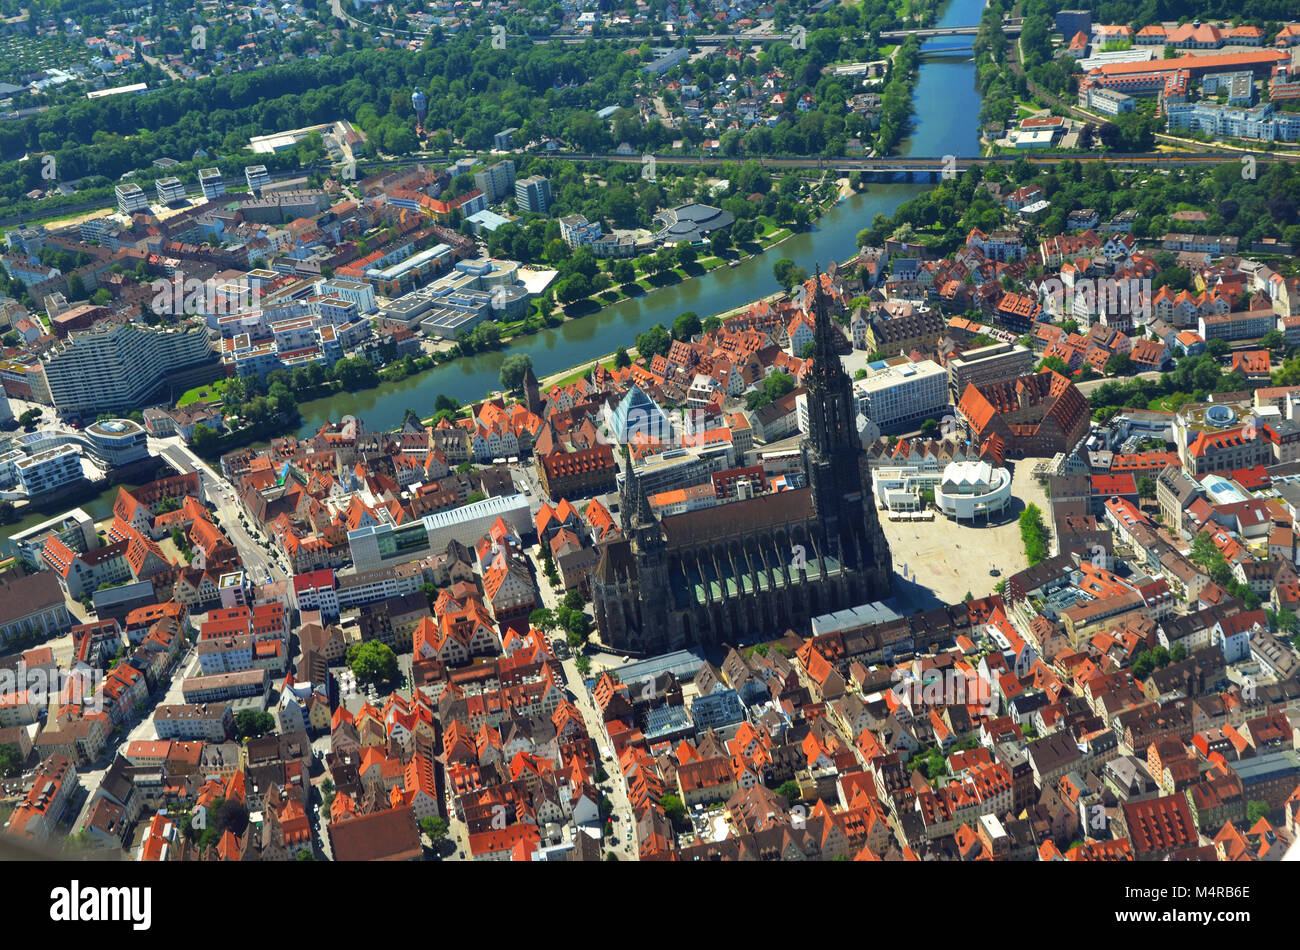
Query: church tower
x,y
650,550
532,395
836,465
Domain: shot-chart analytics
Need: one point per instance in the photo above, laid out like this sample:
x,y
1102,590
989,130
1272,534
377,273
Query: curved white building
x,y
969,490
117,442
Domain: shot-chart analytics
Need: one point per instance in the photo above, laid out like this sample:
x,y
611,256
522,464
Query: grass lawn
x,y
211,392
1163,404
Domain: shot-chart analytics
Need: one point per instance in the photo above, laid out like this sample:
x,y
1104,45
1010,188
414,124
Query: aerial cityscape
x,y
670,430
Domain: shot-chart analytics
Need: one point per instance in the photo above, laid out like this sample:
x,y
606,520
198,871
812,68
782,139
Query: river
x,y
945,110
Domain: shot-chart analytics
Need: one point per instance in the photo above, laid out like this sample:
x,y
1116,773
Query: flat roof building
x,y
131,198
381,545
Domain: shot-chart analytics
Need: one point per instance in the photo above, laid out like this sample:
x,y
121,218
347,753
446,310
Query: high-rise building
x,y
116,365
533,194
897,394
988,364
170,190
131,198
496,182
257,177
213,185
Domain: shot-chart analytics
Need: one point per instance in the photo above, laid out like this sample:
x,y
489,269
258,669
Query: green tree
x,y
544,620
787,273
777,385
1121,364
1033,534
790,791
622,272
435,828
11,762
373,662
674,811
686,326
252,723
654,342
205,440
576,625
1273,340
513,370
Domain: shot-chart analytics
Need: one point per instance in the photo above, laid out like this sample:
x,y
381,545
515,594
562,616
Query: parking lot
x,y
938,562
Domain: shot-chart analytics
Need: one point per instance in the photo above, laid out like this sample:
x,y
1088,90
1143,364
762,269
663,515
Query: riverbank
x,y
647,283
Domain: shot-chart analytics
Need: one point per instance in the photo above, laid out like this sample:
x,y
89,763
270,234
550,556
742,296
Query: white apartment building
x,y
213,185
115,365
257,177
225,654
209,722
49,469
577,231
170,190
357,292
497,181
131,198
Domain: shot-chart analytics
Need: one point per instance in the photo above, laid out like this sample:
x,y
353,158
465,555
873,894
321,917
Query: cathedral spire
x,y
825,348
644,514
831,411
636,506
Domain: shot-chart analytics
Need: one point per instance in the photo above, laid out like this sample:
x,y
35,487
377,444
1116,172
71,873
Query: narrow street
x,y
614,785
141,731
265,565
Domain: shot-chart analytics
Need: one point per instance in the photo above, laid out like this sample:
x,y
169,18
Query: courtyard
x,y
939,562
